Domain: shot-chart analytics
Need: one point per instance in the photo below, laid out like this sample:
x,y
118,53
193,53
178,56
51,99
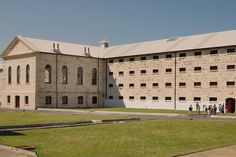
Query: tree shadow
x,y
10,133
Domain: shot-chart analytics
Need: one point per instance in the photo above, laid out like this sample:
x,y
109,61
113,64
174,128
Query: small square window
x,y
121,97
230,67
168,56
213,99
143,58
110,73
131,97
168,84
121,85
156,57
214,52
143,85
169,70
121,73
182,55
230,83
182,84
198,53
143,72
197,84
197,69
231,50
111,61
155,71
197,99
131,85
155,98
142,98
168,98
213,84
155,85
182,99
131,59
182,69
121,60
110,85
131,72
110,97
213,68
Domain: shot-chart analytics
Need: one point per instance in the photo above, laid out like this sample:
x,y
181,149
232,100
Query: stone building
x,y
169,74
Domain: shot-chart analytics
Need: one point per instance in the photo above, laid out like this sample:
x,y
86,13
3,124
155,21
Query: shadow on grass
x,y
10,133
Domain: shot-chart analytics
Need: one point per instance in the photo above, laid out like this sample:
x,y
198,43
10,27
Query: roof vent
x,y
86,52
104,43
172,39
56,49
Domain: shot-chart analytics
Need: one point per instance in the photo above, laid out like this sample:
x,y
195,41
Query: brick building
x,y
169,74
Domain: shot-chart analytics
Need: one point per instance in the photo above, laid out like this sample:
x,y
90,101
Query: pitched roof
x,y
65,48
209,40
193,42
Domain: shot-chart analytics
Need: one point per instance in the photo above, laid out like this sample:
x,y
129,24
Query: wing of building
x,y
168,74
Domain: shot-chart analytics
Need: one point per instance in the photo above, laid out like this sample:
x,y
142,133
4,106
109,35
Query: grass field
x,y
147,138
32,117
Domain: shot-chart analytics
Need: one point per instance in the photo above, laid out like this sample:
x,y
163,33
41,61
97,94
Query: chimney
x,y
57,50
104,43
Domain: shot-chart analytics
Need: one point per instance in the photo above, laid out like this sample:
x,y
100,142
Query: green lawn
x,y
32,117
134,139
140,110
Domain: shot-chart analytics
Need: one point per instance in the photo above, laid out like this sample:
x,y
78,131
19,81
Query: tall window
x,y
47,74
80,75
64,75
26,100
80,99
27,73
18,74
64,100
8,99
9,75
94,76
48,100
94,100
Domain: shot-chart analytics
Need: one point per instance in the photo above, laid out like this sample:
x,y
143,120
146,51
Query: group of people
x,y
210,110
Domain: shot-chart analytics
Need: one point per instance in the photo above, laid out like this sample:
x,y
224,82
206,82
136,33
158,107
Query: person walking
x,y
190,109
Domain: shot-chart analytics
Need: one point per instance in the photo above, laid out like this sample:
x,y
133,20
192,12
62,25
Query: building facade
x,y
167,74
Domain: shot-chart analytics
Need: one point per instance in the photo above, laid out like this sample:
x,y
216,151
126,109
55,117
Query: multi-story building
x,y
169,74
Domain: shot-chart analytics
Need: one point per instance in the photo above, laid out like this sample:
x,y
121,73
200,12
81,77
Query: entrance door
x,y
230,105
17,101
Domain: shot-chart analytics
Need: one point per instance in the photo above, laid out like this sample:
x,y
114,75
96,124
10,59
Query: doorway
x,y
230,105
17,102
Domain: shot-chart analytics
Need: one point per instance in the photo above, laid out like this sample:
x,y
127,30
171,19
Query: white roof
x,y
210,40
65,48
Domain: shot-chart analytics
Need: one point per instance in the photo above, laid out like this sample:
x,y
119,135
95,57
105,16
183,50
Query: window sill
x,y
198,71
230,69
182,101
155,100
197,87
232,86
27,84
213,70
182,86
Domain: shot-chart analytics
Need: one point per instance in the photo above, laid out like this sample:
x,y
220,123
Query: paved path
x,y
6,151
219,152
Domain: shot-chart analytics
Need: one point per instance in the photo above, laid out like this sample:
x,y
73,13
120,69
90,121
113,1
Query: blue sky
x,y
119,21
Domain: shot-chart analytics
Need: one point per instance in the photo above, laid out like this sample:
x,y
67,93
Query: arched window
x,y
9,75
94,76
47,74
80,75
18,74
27,75
64,75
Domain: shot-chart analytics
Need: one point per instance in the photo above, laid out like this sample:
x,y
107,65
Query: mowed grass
x,y
33,117
140,110
159,138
